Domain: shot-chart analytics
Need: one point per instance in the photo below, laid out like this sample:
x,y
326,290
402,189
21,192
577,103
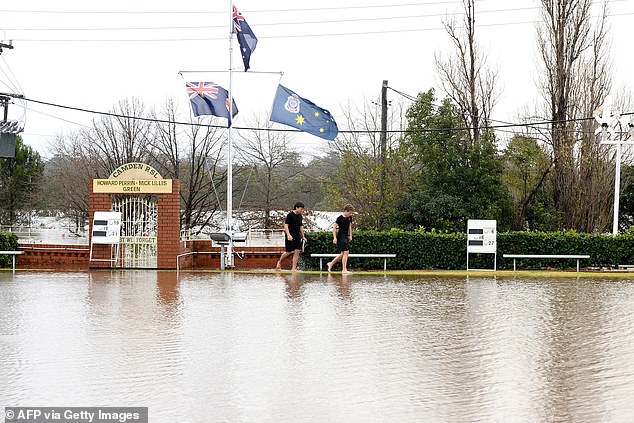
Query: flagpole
x,y
229,258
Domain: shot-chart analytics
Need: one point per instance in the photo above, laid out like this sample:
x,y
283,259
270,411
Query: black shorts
x,y
342,243
295,244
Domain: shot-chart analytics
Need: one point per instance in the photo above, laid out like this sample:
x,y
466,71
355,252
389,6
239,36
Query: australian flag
x,y
208,98
293,110
246,37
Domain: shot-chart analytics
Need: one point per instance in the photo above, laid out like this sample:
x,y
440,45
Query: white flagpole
x,y
229,258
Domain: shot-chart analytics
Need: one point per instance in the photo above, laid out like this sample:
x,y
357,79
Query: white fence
x,y
255,237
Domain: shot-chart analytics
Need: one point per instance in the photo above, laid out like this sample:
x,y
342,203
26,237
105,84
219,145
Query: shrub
x,y
432,250
8,242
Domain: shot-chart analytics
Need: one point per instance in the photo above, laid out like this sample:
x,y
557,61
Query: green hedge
x,y
430,250
8,242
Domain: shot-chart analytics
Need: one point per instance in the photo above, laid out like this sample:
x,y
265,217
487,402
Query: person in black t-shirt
x,y
294,232
341,237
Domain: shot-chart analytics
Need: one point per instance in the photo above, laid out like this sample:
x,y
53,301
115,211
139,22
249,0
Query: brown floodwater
x,y
239,347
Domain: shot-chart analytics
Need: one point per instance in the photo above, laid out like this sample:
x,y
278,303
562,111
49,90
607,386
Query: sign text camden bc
x,y
132,186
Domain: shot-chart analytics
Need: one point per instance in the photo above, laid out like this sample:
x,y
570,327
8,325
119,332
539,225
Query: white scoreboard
x,y
481,236
106,227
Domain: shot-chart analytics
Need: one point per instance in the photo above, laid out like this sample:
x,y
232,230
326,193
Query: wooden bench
x,y
383,256
547,256
11,253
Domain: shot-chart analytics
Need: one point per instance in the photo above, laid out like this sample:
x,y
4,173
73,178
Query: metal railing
x,y
255,237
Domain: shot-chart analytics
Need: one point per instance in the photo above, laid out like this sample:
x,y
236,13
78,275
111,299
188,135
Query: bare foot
x,y
345,272
278,266
329,265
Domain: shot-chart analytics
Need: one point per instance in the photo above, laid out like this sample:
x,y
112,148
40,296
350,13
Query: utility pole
x,y
8,45
383,147
4,99
609,122
8,129
4,102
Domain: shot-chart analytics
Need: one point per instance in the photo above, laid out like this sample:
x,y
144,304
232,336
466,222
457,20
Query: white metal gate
x,y
139,215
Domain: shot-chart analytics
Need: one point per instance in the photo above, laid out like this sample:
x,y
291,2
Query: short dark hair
x,y
348,207
298,205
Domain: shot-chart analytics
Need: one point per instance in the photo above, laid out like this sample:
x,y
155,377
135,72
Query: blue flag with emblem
x,y
246,37
293,110
208,98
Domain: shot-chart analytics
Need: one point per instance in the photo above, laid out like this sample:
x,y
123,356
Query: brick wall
x,y
49,256
204,256
75,257
199,254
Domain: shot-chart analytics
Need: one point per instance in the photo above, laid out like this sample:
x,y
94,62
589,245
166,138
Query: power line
x,y
57,117
199,12
530,125
395,31
407,96
422,130
184,12
260,24
284,36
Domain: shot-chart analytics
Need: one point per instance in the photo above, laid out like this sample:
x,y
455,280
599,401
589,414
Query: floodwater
x,y
237,347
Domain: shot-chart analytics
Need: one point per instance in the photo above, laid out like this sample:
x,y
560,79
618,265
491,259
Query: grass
x,y
450,273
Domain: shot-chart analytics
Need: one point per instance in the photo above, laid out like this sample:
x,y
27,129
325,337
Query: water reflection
x,y
342,282
328,347
292,282
167,289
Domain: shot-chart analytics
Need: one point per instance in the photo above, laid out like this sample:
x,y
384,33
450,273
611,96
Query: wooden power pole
x,y
382,149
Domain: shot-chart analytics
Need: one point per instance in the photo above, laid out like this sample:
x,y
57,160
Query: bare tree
x,y
192,154
464,75
70,171
165,146
576,80
266,153
121,137
361,164
201,173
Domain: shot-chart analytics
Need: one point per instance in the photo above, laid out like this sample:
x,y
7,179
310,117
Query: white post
x,y
617,189
229,256
606,119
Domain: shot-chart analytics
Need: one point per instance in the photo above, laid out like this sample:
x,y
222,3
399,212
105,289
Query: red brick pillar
x,y
168,237
98,202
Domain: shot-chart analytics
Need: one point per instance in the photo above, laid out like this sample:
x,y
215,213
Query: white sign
x,y
481,236
106,227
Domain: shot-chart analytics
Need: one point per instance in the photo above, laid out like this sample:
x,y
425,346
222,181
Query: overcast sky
x,y
91,55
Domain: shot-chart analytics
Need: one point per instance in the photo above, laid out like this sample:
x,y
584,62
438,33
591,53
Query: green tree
x,y
362,165
20,179
626,200
526,167
454,179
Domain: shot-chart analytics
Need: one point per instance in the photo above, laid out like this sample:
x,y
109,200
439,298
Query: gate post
x,y
169,230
